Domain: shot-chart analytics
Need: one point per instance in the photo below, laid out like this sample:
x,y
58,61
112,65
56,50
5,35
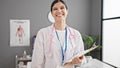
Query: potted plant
x,y
89,41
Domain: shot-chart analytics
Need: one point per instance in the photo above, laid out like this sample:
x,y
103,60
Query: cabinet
x,y
21,62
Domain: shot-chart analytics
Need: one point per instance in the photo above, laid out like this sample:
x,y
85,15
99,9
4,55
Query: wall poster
x,y
19,32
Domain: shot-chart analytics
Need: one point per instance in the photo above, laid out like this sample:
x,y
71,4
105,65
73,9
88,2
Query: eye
x,y
62,7
54,8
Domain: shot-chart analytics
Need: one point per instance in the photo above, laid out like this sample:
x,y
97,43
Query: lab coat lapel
x,y
71,45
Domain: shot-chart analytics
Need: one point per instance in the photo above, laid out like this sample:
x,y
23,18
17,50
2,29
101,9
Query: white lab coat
x,y
41,58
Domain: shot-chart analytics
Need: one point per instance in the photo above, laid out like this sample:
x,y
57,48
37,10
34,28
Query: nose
x,y
59,10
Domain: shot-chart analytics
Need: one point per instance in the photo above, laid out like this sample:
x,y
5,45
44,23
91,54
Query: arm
x,y
79,47
23,32
17,32
38,52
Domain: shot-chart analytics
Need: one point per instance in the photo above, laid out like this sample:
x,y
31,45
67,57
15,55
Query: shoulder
x,y
43,32
45,29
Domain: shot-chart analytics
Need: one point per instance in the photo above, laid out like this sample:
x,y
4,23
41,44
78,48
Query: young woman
x,y
56,45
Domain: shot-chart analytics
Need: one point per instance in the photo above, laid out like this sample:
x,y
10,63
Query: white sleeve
x,y
38,52
79,46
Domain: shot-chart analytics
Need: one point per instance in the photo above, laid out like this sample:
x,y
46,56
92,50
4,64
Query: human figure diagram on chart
x,y
20,33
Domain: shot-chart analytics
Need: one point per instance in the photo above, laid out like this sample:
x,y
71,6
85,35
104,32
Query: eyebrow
x,y
60,6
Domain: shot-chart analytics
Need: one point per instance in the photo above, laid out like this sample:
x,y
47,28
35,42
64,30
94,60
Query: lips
x,y
59,15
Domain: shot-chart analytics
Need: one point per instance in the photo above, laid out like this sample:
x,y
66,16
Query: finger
x,y
77,60
81,57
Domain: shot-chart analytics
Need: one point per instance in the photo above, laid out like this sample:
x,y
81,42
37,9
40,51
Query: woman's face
x,y
59,11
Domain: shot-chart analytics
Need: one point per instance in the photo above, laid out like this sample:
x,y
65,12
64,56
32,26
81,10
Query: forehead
x,y
58,4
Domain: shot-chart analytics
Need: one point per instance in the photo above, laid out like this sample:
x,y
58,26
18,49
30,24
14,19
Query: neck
x,y
60,25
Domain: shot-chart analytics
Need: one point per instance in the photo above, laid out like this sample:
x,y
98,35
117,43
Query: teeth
x,y
59,15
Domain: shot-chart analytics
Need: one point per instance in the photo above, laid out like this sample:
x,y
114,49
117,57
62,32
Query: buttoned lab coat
x,y
41,52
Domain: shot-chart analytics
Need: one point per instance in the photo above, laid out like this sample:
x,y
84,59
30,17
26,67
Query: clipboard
x,y
80,54
86,51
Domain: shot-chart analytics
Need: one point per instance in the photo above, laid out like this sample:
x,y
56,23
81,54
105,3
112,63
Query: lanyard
x,y
70,36
63,50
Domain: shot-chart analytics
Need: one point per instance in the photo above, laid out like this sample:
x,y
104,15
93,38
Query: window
x,y
111,32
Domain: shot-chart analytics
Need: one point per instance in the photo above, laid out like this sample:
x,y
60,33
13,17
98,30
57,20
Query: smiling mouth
x,y
59,15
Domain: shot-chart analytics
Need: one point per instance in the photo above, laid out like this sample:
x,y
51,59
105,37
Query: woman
x,y
56,45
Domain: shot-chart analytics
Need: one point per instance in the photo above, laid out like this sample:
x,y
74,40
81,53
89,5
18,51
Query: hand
x,y
77,60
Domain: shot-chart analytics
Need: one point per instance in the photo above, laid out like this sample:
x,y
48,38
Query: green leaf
x,y
89,41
